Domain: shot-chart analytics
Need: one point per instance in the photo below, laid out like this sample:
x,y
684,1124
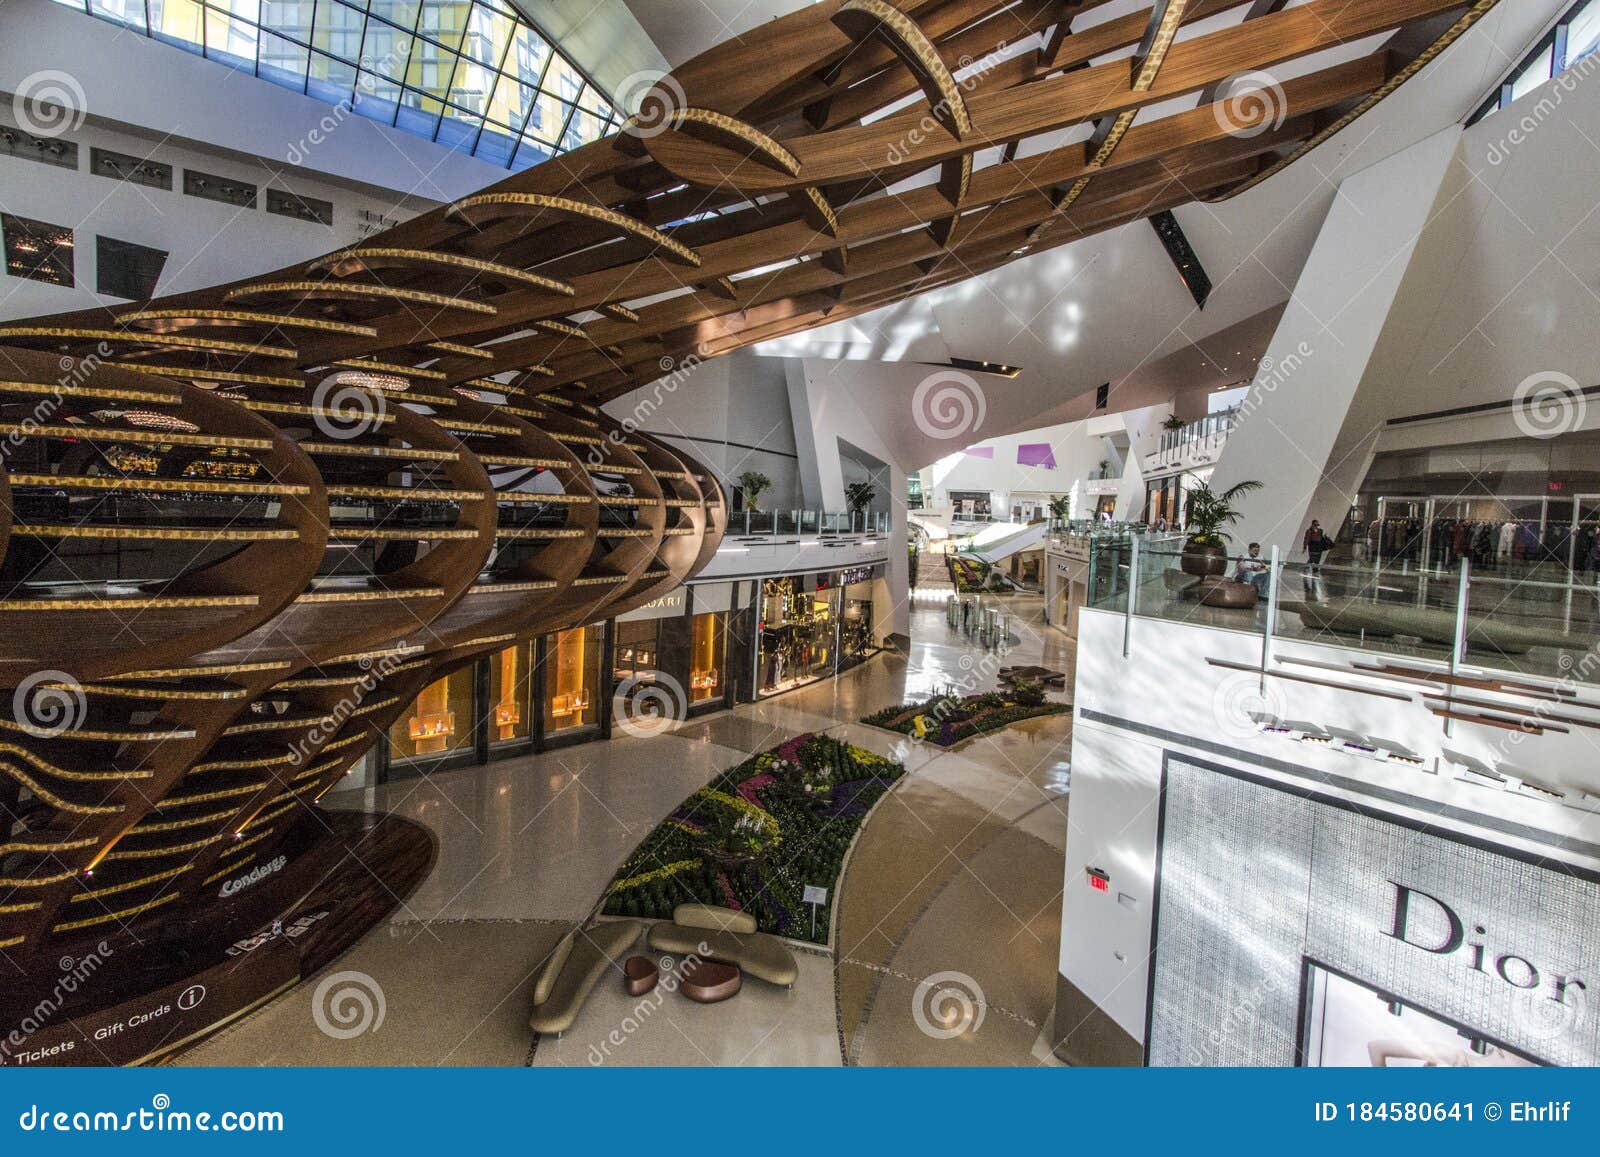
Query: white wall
x,y
1289,424
1076,454
828,413
1167,684
208,242
731,413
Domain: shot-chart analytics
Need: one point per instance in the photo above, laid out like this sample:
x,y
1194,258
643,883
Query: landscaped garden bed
x,y
968,577
948,719
755,836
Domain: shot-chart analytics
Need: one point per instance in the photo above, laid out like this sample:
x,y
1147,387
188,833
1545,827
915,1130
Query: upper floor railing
x,y
749,523
1545,627
1203,439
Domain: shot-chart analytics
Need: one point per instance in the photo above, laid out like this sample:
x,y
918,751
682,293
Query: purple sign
x,y
1036,454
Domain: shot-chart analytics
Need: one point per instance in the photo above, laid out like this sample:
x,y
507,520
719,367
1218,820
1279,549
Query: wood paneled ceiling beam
x,y
1057,102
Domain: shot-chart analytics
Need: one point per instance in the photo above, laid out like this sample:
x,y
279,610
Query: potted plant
x,y
1172,422
859,495
1061,508
1207,515
754,484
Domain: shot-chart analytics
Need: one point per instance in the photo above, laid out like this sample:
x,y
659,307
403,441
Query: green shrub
x,y
1029,693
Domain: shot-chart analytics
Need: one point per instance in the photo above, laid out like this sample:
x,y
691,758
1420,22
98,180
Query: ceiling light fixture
x,y
366,380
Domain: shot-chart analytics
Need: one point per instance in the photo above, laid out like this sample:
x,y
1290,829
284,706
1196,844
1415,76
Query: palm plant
x,y
1208,514
859,495
1061,508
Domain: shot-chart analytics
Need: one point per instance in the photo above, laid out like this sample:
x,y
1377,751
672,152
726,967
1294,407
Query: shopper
x,y
1317,544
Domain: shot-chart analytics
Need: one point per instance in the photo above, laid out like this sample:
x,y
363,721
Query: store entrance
x,y
799,634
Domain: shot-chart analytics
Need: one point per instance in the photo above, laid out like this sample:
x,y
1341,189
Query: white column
x,y
1294,417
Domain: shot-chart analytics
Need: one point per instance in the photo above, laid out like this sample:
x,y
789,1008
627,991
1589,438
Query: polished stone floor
x,y
947,921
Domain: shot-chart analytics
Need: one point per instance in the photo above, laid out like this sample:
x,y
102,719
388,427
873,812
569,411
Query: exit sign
x,y
1098,879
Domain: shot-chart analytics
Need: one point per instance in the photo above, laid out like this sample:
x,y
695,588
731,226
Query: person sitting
x,y
1254,570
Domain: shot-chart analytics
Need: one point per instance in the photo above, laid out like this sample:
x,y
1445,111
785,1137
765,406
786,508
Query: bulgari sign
x,y
1502,946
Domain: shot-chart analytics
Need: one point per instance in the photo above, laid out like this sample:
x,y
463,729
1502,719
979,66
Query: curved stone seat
x,y
756,953
572,970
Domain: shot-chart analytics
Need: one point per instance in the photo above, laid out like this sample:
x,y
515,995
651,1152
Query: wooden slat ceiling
x,y
752,194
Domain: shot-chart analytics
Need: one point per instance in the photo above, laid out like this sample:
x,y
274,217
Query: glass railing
x,y
778,523
1461,620
1214,428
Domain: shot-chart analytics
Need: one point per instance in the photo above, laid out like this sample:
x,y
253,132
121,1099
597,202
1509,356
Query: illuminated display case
x,y
439,722
638,649
510,714
708,658
572,673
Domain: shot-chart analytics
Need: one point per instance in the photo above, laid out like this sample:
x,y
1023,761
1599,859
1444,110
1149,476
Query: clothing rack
x,y
1493,532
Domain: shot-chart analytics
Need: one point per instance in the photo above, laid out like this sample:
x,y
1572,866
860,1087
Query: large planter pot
x,y
1204,560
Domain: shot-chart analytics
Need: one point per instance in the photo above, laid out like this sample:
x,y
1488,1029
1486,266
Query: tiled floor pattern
x,y
957,872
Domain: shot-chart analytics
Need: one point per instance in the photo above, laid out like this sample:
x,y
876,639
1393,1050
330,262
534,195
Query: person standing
x,y
1317,544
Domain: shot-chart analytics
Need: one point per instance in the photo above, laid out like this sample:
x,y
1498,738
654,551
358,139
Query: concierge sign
x,y
1469,953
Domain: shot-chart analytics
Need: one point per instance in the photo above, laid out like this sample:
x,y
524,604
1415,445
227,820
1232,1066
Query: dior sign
x,y
1442,932
1500,946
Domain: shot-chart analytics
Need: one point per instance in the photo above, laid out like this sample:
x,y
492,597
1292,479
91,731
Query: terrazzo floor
x,y
947,918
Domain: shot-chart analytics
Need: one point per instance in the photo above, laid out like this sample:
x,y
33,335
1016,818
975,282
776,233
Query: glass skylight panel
x,y
1532,76
1583,34
470,74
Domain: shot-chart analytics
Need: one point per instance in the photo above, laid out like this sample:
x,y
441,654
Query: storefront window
x,y
638,651
439,722
510,694
798,634
707,650
572,679
855,626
